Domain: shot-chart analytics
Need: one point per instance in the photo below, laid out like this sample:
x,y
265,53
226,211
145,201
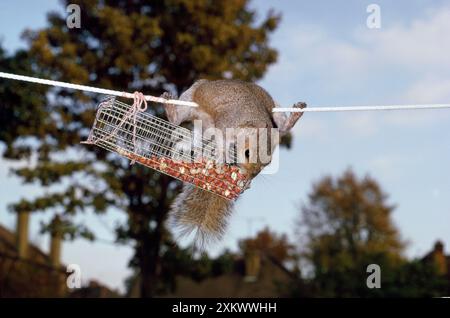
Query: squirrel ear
x,y
285,122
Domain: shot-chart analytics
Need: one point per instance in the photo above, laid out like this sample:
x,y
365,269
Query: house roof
x,y
8,247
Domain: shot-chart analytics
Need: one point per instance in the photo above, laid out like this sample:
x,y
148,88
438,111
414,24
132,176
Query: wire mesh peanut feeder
x,y
158,144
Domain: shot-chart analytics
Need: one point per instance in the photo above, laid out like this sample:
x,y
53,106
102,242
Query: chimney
x,y
252,265
439,247
22,233
439,258
56,241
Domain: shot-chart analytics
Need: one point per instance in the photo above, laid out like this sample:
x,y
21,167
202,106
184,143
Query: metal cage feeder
x,y
161,145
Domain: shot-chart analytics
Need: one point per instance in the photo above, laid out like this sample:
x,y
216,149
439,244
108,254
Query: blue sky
x,y
327,57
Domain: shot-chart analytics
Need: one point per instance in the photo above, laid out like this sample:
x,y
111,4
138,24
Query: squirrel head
x,y
254,144
262,135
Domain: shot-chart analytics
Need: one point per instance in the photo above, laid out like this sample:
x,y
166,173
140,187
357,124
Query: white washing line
x,y
192,104
359,108
92,89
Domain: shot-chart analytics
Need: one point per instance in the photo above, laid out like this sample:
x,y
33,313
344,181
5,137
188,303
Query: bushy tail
x,y
200,212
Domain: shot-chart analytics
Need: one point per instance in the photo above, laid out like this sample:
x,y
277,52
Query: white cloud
x,y
413,57
311,127
360,124
307,49
429,90
421,46
391,166
416,55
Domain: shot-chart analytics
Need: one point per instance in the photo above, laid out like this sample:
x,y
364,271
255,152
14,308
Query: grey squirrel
x,y
221,104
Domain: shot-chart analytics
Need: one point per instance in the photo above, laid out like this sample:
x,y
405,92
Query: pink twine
x,y
139,105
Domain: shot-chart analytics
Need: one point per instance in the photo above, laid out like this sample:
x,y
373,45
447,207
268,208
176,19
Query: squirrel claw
x,y
168,95
300,105
293,117
171,111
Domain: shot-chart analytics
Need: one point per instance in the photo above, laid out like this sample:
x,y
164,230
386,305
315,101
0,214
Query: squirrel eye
x,y
247,153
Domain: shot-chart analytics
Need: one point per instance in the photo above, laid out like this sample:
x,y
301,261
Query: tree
x,y
272,245
345,226
278,250
127,45
22,113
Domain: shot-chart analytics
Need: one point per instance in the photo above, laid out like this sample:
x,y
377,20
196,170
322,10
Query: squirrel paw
x,y
293,117
300,105
171,109
168,95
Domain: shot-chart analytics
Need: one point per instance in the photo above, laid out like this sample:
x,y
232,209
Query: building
x,y
25,270
439,259
255,275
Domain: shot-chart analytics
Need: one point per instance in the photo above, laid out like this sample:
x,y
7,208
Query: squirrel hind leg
x,y
200,213
173,113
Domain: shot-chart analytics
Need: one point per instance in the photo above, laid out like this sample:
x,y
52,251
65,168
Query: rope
x,y
359,108
192,104
93,89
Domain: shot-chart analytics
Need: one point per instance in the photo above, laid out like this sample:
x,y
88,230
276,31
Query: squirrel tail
x,y
200,212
